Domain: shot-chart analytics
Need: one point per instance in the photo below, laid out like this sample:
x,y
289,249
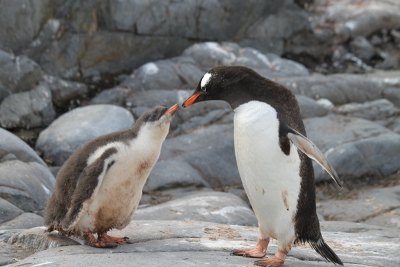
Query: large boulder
x,y
28,109
370,206
310,108
26,185
164,74
379,109
24,221
26,182
21,21
211,54
63,92
354,35
209,151
355,147
186,70
74,128
9,143
18,73
8,211
217,207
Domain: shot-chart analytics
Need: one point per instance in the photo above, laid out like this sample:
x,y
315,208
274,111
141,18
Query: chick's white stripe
x,y
99,151
95,191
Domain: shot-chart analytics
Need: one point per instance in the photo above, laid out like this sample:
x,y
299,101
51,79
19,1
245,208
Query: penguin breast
x,y
270,178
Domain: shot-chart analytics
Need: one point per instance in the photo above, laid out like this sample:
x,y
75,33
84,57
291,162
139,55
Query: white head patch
x,y
205,80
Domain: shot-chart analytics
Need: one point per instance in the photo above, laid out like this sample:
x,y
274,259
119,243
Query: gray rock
x,y
393,94
63,91
343,88
394,125
210,54
8,211
203,115
7,255
199,148
75,55
333,130
3,93
362,48
28,109
310,108
157,97
114,96
340,24
171,174
367,205
339,89
18,73
26,185
380,109
288,23
390,218
269,65
24,221
79,126
31,14
355,147
180,243
164,74
11,144
38,239
349,22
217,207
369,157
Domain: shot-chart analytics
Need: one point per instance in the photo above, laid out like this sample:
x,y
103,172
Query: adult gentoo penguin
x,y
272,153
99,187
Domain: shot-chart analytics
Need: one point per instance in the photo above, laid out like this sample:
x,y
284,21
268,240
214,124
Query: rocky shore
x,y
76,70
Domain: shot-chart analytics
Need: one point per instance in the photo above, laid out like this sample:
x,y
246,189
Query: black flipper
x,y
87,183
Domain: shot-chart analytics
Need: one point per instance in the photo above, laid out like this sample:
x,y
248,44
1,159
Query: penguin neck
x,y
249,89
153,133
238,98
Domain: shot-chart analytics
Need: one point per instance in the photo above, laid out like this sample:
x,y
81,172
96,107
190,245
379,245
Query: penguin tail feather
x,y
325,251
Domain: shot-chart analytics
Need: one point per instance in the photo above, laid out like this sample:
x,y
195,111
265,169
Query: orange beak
x,y
172,109
191,99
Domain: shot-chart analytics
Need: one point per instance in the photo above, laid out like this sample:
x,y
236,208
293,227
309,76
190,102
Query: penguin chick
x,y
273,156
100,185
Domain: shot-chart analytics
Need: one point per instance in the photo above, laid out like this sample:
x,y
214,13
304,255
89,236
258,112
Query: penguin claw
x,y
250,253
113,239
100,244
270,262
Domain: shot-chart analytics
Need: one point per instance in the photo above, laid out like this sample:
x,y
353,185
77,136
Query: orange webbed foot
x,y
258,252
113,239
90,240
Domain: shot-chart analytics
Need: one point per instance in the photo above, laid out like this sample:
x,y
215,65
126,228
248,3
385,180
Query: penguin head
x,y
222,83
157,119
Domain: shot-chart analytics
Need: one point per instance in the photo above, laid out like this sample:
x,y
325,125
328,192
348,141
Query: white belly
x,y
271,178
120,190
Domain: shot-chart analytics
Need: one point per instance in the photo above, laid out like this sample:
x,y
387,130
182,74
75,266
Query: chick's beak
x,y
172,110
191,100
